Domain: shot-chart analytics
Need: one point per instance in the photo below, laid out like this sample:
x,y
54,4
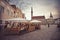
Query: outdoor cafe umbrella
x,y
18,20
35,21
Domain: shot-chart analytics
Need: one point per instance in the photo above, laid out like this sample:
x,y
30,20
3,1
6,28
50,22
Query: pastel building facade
x,y
8,11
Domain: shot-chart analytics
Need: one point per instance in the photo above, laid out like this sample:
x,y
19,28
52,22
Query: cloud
x,y
39,6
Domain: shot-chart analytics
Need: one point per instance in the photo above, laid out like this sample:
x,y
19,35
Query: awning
x,y
16,19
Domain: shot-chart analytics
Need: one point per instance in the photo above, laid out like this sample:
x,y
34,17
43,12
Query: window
x,y
1,9
0,21
9,12
14,11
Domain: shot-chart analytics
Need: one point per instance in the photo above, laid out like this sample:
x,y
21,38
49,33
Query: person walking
x,y
48,25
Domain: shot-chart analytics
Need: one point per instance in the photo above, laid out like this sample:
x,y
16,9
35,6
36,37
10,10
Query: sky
x,y
40,7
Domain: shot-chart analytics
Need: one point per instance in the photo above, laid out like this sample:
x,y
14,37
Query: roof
x,y
14,6
38,17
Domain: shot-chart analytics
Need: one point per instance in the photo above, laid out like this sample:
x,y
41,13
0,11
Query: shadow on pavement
x,y
56,35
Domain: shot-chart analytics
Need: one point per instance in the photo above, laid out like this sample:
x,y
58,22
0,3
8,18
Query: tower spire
x,y
51,16
31,12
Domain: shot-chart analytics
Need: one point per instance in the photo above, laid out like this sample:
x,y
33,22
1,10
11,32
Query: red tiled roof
x,y
40,17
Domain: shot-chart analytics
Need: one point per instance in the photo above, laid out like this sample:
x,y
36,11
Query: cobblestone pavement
x,y
46,33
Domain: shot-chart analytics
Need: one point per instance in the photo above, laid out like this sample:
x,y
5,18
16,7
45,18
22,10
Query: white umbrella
x,y
36,21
